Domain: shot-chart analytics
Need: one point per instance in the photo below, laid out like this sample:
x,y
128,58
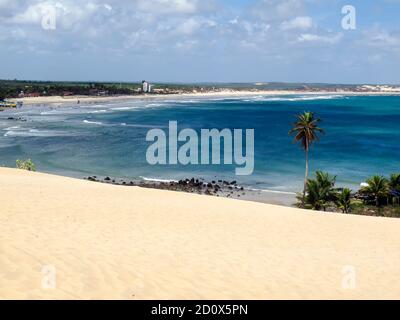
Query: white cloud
x,y
4,3
108,7
169,6
162,25
187,45
33,14
194,24
67,13
380,37
278,10
298,23
234,21
251,28
308,37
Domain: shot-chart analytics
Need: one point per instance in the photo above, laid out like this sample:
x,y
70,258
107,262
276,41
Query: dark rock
x,y
107,179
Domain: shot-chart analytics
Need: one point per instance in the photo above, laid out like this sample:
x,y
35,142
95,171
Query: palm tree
x,y
314,199
343,200
394,187
320,191
325,180
377,187
306,131
394,181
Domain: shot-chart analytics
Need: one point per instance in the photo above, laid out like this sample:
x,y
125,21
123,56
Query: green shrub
x,y
343,200
320,191
378,188
26,165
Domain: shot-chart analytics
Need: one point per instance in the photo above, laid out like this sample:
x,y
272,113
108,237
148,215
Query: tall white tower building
x,y
145,86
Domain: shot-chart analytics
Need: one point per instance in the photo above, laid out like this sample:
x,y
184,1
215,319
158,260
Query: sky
x,y
201,40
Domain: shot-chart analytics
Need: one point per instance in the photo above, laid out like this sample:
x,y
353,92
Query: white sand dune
x,y
110,242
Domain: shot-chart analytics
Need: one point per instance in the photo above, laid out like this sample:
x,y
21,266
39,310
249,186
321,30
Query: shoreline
x,y
213,188
59,100
112,242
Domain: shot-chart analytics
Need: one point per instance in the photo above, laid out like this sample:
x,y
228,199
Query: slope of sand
x,y
109,241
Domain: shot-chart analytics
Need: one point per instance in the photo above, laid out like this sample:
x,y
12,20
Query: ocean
x,y
109,139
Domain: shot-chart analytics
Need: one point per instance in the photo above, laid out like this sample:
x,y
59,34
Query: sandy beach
x,y
115,242
59,100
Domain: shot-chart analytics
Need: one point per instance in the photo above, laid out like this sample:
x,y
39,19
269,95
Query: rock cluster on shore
x,y
200,186
17,119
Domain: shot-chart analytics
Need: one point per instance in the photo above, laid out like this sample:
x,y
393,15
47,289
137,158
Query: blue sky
x,y
200,40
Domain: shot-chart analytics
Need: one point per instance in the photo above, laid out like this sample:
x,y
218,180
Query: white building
x,y
145,86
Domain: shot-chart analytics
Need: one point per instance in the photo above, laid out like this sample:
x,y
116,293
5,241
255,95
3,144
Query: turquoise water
x,y
362,137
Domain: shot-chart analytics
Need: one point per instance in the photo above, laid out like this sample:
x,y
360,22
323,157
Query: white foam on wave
x,y
302,98
271,191
155,105
158,180
93,122
324,97
28,132
124,108
12,128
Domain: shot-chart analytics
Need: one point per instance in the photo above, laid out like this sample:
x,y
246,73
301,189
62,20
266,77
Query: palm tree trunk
x,y
305,179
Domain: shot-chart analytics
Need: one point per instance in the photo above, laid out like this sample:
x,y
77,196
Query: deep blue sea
x,y
362,137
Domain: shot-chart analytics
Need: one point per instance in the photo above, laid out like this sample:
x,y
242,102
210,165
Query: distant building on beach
x,y
146,87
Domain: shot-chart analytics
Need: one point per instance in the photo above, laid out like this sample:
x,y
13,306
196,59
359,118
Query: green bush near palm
x,y
320,191
343,200
394,188
26,165
394,182
378,188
